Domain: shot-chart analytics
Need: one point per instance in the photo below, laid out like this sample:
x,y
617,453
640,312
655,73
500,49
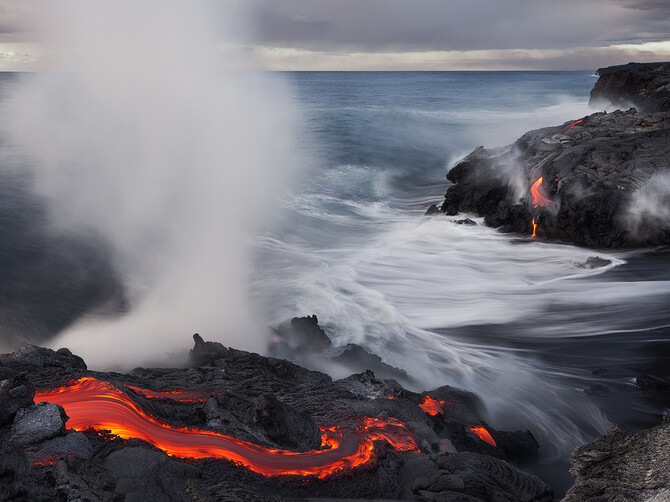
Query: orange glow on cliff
x,y
432,406
570,126
483,435
91,403
536,194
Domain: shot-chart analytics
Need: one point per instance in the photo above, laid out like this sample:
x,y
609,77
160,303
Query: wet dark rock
x,y
487,478
470,476
600,179
146,474
356,357
284,425
304,334
519,447
74,443
594,262
34,355
205,353
652,382
645,86
466,221
623,466
37,423
13,397
432,209
459,405
368,385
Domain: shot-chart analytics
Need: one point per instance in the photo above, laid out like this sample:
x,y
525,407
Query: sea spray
x,y
140,132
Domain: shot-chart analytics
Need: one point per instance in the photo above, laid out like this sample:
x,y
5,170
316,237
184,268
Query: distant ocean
x,y
549,345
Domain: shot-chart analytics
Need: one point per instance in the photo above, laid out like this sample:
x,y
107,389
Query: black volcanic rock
x,y
13,397
268,402
37,423
355,356
204,353
303,334
285,425
600,176
623,466
34,355
604,176
594,262
645,86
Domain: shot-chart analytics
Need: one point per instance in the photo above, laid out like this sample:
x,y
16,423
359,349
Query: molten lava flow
x,y
183,396
92,403
432,406
483,435
534,227
535,193
570,126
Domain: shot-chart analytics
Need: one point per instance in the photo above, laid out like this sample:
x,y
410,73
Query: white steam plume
x,y
649,209
142,133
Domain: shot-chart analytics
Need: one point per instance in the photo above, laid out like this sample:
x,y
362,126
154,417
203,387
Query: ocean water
x,y
549,345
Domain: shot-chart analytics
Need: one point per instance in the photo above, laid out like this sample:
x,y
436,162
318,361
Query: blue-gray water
x,y
550,346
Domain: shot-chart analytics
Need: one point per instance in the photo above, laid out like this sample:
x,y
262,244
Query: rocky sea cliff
x,y
598,181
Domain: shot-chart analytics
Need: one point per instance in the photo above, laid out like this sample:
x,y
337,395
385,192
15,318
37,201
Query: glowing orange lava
x,y
483,435
432,406
183,396
534,227
100,405
535,192
570,126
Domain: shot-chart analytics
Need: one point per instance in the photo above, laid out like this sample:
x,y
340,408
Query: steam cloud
x,y
141,133
648,213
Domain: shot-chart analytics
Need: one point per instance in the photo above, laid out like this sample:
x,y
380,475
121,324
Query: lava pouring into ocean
x,y
536,193
91,403
538,199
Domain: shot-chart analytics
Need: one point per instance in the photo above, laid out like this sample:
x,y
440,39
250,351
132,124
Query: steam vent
x,y
598,181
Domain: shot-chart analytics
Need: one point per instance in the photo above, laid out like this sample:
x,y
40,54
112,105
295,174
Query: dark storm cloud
x,y
387,25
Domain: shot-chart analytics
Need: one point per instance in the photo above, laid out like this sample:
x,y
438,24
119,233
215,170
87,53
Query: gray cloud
x,y
578,29
388,25
15,20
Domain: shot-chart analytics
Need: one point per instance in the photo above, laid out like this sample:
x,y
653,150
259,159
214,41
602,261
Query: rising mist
x,y
140,132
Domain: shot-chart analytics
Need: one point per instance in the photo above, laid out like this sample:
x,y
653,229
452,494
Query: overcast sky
x,y
420,34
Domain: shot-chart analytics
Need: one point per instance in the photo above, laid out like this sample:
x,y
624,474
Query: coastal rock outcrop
x,y
646,86
601,181
621,465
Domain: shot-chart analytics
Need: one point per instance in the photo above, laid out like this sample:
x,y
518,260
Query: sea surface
x,y
548,344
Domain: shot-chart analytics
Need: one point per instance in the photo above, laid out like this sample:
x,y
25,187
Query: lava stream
x,y
484,435
432,406
570,126
183,396
93,403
